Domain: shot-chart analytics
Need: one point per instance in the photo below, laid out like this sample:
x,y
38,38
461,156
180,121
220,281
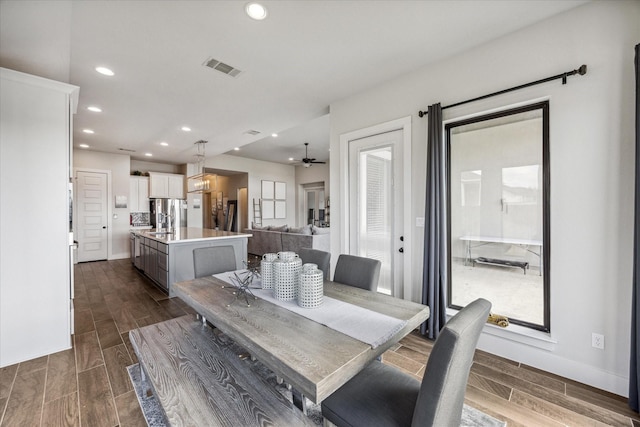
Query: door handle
x,y
104,226
401,250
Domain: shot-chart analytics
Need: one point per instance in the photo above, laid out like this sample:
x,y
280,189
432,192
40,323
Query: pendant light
x,y
200,183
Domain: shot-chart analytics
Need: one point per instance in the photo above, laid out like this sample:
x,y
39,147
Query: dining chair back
x,y
383,395
357,271
213,260
441,396
318,257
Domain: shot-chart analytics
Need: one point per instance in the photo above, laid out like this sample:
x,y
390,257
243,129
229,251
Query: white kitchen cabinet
x,y
139,194
176,186
166,185
158,185
36,116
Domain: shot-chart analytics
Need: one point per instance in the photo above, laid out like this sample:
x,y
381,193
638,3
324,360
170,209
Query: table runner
x,y
357,322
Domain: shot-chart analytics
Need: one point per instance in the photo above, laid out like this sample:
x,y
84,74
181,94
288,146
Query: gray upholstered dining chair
x,y
381,395
318,257
357,271
213,260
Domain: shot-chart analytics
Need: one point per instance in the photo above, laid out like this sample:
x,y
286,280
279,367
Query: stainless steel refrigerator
x,y
168,214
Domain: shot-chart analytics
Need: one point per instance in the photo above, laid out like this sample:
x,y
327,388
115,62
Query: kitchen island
x,y
166,257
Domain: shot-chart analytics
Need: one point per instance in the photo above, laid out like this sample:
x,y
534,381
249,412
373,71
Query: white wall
x,y
258,171
592,172
142,166
35,281
119,165
234,183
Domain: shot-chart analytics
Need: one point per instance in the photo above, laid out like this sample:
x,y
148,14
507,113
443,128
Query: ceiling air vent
x,y
252,132
126,149
222,67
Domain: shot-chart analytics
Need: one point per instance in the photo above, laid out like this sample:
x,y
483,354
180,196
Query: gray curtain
x,y
634,375
434,275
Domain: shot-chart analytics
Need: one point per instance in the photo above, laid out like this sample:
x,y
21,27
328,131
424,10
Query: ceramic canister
x,y
311,289
309,267
286,273
266,270
287,255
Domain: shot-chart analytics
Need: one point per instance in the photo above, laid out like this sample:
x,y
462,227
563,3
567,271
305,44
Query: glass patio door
x,y
376,204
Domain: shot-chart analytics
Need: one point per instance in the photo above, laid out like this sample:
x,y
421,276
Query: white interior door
x,y
91,203
376,207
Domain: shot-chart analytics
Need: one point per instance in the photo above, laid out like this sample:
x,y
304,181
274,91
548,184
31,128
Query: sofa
x,y
276,239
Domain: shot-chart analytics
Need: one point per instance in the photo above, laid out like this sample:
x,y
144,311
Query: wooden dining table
x,y
314,359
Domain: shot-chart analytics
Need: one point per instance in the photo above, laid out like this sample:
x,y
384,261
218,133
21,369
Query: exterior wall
x,y
592,173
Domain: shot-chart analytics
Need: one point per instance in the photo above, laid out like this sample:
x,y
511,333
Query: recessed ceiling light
x,y
83,146
95,109
87,131
164,144
237,149
256,11
148,154
105,71
186,128
275,135
291,159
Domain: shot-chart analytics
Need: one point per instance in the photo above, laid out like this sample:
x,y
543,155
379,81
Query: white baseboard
x,y
547,361
121,255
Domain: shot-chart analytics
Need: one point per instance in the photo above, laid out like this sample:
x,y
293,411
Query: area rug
x,y
154,415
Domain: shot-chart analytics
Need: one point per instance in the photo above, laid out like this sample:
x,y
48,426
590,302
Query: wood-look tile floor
x,y
88,385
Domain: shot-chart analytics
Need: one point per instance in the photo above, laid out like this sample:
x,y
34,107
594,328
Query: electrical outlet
x,y
597,341
420,221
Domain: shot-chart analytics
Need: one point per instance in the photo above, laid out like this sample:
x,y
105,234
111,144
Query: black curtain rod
x,y
582,71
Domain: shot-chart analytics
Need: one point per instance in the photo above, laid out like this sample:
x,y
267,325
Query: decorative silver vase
x,y
286,273
311,286
266,270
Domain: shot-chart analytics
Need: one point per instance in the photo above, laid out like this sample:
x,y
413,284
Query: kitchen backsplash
x,y
139,218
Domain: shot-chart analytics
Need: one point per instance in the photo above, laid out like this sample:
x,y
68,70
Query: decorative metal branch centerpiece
x,y
242,281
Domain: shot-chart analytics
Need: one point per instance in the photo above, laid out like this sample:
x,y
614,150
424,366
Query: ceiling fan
x,y
306,160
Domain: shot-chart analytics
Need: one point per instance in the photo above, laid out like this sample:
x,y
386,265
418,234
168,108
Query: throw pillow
x,y
284,228
320,230
305,229
255,226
